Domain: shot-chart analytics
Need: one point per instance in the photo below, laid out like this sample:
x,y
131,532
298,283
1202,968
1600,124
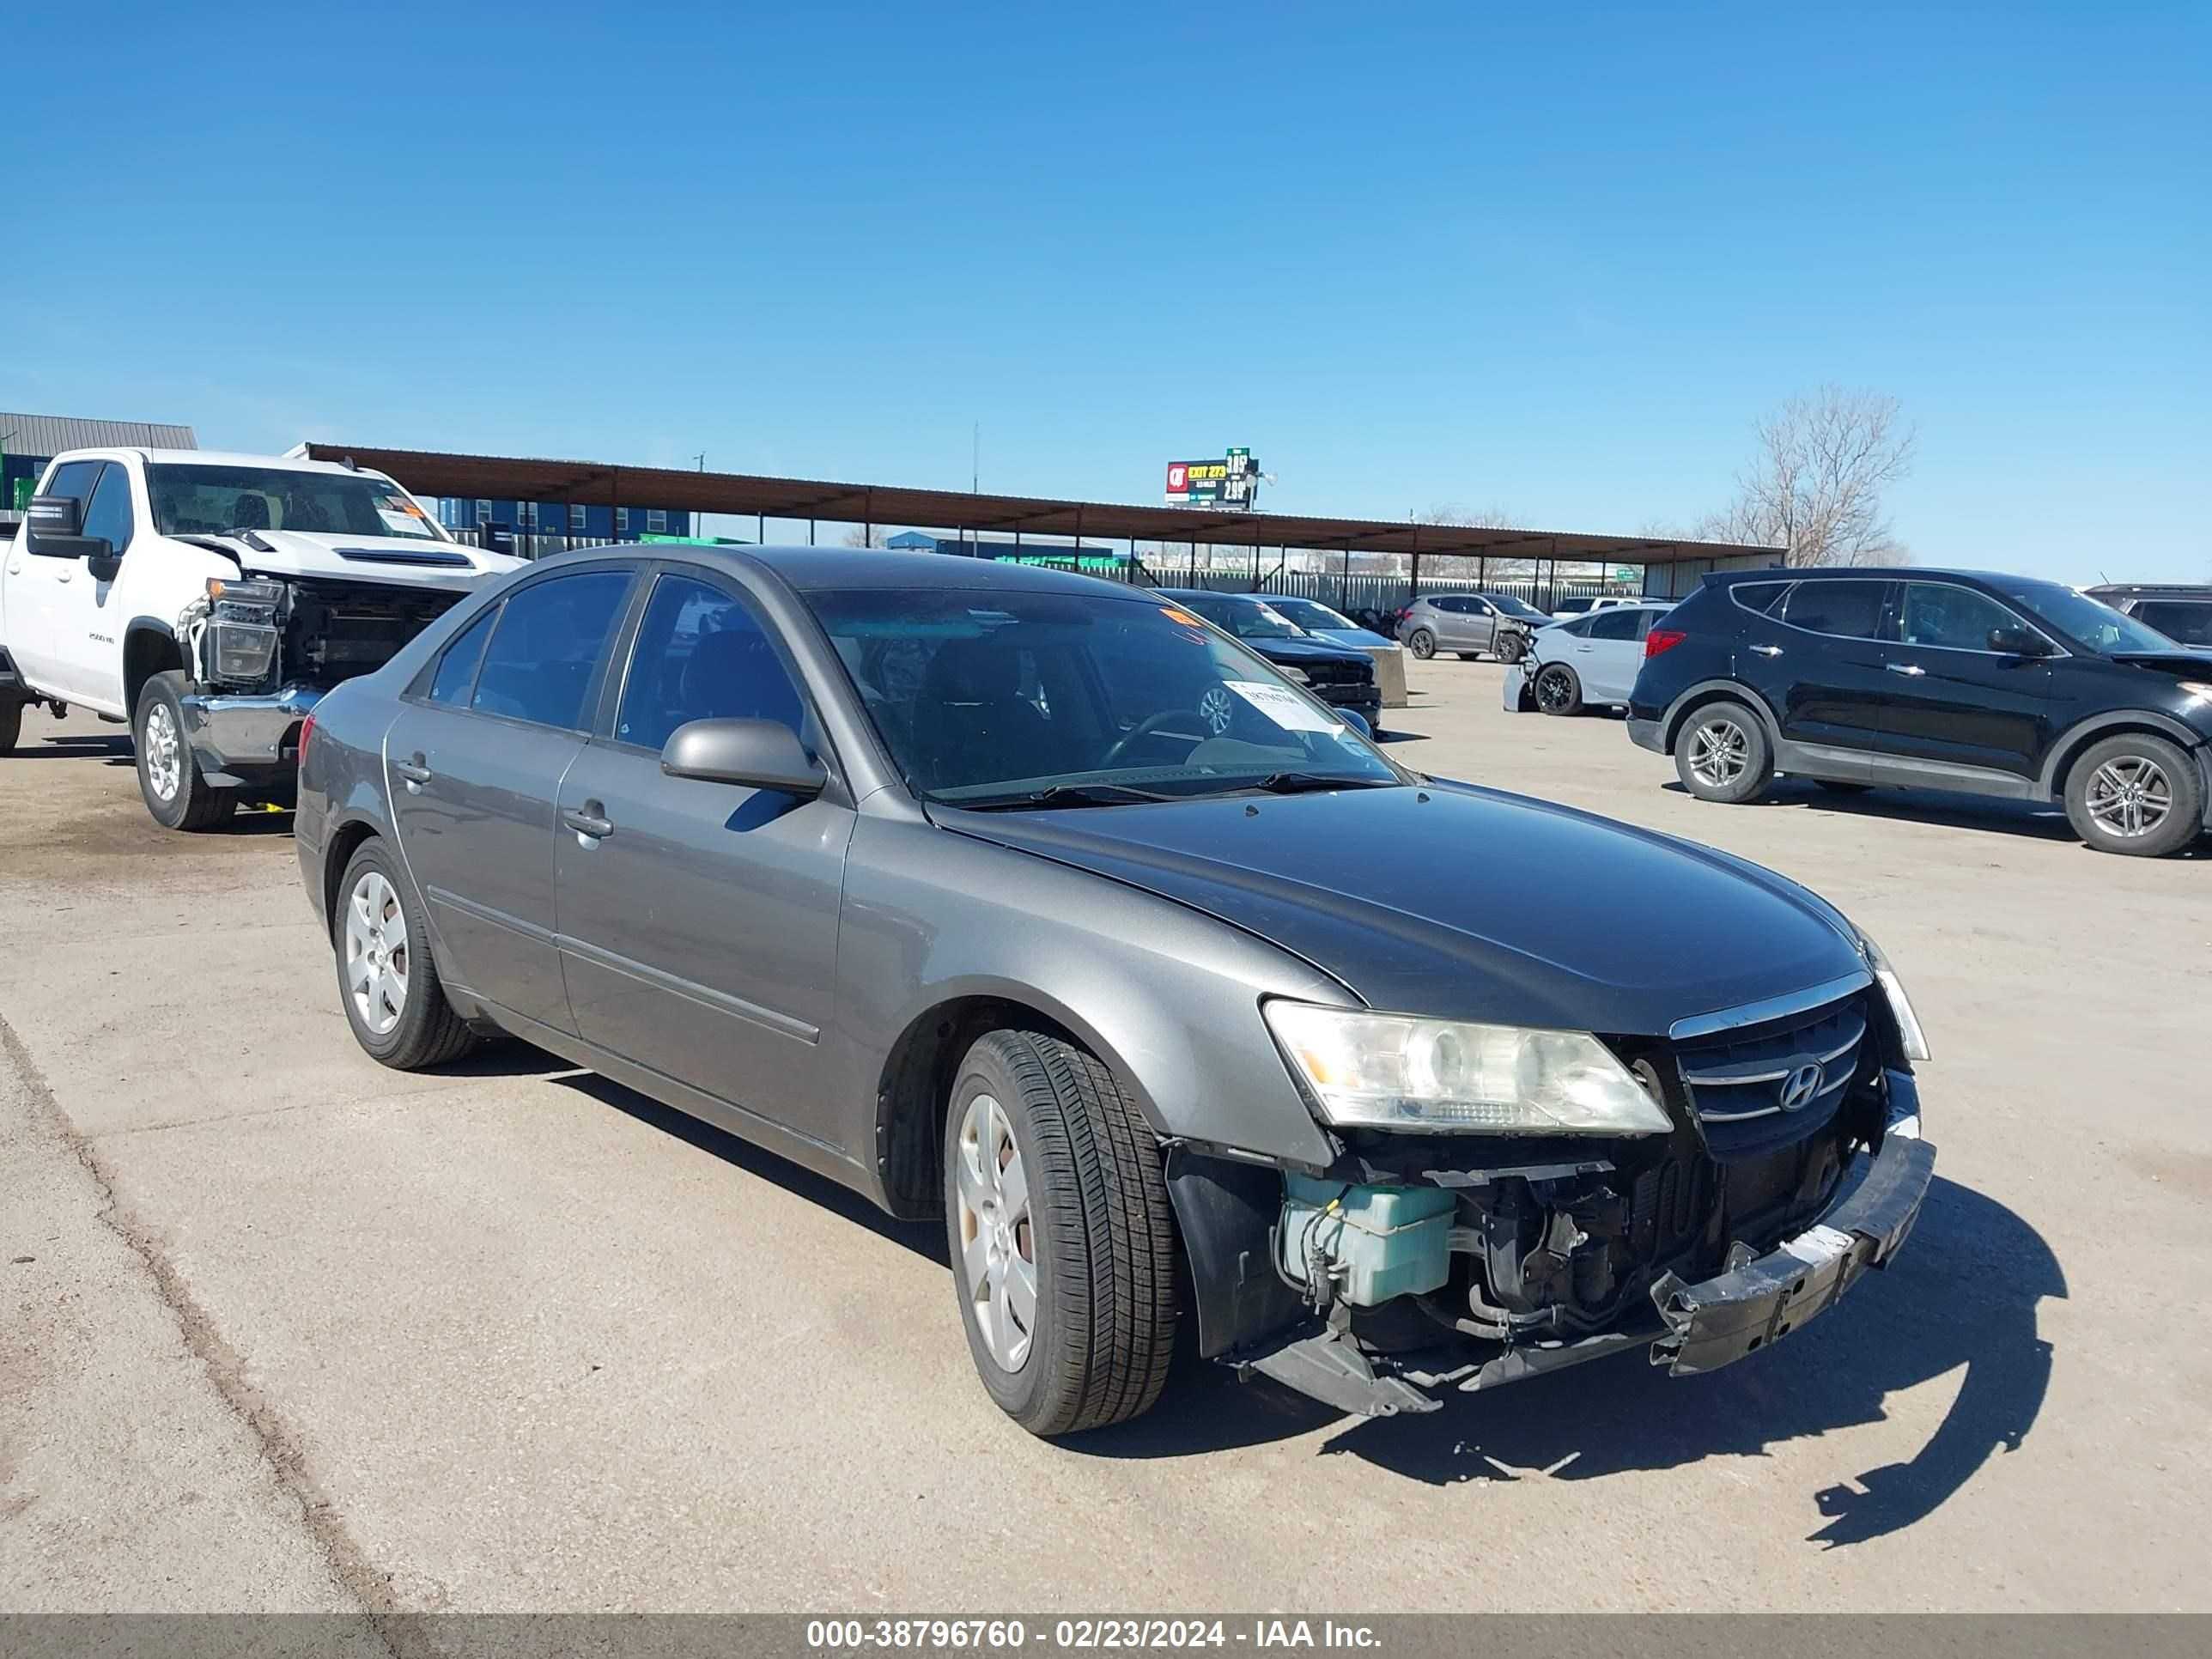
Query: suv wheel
x,y
1512,648
1062,1242
1557,690
1721,754
1422,644
2136,794
168,777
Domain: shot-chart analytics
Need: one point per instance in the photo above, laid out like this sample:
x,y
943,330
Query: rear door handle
x,y
414,773
1767,650
590,821
1911,668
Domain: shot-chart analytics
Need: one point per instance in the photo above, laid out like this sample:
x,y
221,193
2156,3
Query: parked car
x,y
1470,624
1943,679
2182,612
1581,605
922,873
1593,659
1323,623
1341,675
210,600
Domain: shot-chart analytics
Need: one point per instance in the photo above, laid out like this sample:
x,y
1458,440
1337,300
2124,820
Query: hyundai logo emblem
x,y
1803,1084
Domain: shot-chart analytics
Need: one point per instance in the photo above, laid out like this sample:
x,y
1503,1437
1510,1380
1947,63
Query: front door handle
x,y
1767,650
1911,668
591,820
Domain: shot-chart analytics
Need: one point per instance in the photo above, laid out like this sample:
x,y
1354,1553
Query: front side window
x,y
1850,608
991,697
457,669
546,647
107,514
2185,622
701,655
1956,618
2092,622
195,498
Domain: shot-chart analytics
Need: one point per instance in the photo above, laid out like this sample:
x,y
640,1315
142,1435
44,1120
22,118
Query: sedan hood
x,y
1418,900
393,561
1298,651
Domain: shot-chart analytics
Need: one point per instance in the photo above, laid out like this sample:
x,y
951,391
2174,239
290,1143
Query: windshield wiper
x,y
1062,795
1292,783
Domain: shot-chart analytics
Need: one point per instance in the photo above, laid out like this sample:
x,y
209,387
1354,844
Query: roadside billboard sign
x,y
1231,481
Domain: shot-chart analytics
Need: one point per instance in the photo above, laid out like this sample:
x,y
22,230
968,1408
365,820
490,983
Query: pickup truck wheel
x,y
1557,690
168,777
387,982
1721,754
11,723
2136,794
1062,1243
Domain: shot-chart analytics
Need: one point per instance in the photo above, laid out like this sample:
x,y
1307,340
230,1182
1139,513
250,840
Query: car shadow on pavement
x,y
2042,820
1961,1298
86,746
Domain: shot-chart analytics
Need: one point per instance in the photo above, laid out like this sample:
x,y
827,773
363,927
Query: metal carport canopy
x,y
499,477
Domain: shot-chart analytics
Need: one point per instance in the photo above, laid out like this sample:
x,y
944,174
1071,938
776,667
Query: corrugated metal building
x,y
27,442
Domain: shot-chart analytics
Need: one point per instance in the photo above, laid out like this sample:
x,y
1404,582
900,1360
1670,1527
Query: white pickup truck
x,y
210,600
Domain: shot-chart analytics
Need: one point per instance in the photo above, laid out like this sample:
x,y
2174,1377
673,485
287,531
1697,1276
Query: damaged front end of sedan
x,y
1769,1156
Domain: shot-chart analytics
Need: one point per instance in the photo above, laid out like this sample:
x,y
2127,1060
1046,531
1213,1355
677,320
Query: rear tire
x,y
168,777
1060,1235
388,983
1557,690
1422,644
2136,795
1721,754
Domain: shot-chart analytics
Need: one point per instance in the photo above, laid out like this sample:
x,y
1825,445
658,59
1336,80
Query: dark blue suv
x,y
1937,679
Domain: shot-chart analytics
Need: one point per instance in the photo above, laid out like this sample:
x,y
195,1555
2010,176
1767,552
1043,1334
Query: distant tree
x,y
1816,485
866,536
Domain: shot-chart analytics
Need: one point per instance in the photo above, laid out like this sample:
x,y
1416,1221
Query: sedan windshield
x,y
2091,622
191,498
1310,614
1066,699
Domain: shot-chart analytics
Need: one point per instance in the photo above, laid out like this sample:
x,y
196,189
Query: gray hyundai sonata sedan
x,y
1037,903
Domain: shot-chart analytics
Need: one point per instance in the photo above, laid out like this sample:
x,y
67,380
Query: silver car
x,y
1039,904
1470,624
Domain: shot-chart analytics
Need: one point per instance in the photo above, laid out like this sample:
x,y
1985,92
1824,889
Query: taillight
x,y
307,731
1660,639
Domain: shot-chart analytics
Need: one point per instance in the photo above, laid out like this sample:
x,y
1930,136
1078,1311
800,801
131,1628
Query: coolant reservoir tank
x,y
1380,1242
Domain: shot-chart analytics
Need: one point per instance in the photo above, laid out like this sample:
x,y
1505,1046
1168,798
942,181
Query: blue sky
x,y
1548,260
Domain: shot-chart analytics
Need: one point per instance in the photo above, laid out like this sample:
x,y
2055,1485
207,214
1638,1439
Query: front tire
x,y
2136,795
1557,690
1061,1239
387,983
1422,644
1721,754
1511,649
11,724
168,777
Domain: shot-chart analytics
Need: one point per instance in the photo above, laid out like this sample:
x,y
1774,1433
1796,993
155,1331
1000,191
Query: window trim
x,y
1903,582
1888,609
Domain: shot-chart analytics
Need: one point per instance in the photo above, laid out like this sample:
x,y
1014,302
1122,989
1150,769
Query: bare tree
x,y
1815,487
867,535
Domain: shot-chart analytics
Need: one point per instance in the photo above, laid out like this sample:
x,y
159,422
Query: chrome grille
x,y
1756,1087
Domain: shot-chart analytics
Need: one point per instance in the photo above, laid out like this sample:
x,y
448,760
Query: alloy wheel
x,y
164,752
1216,710
1720,750
1552,690
376,952
998,1238
2130,796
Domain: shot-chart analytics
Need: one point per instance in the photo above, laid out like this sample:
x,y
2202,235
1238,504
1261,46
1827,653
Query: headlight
x,y
1297,676
1395,1071
1900,1005
252,602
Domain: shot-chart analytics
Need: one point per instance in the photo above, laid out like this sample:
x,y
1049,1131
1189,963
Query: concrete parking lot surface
x,y
280,1328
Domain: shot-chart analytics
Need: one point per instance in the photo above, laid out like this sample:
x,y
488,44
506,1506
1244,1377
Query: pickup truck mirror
x,y
54,528
104,562
2014,641
758,754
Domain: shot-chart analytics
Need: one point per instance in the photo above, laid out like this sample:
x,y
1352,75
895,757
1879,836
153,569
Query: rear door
x,y
43,588
473,768
1957,708
698,920
1610,652
1821,660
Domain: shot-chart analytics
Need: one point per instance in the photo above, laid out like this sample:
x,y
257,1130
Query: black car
x,y
1942,679
1339,676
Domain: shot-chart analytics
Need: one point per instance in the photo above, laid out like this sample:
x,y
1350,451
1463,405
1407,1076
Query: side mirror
x,y
2014,641
54,528
1356,721
757,754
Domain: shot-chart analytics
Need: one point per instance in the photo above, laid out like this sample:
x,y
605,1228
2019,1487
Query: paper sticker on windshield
x,y
401,523
1282,705
1176,615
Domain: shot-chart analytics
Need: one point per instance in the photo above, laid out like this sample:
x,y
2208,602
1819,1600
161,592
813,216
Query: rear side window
x,y
457,669
1761,597
700,656
2187,622
546,647
1614,623
1850,608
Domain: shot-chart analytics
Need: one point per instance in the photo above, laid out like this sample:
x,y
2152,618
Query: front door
x,y
1957,703
44,589
1822,665
90,636
698,920
474,767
